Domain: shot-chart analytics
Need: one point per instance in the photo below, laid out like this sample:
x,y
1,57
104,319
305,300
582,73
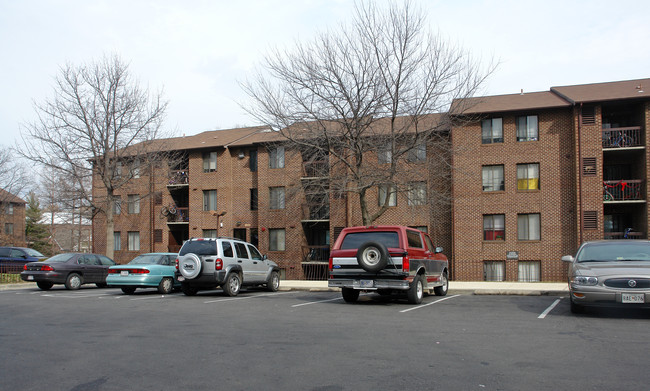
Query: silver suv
x,y
229,263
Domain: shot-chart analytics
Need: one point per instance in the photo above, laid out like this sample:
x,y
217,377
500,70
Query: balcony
x,y
315,254
624,190
176,215
628,234
315,212
178,178
622,137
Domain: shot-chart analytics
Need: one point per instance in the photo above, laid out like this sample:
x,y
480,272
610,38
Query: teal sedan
x,y
153,270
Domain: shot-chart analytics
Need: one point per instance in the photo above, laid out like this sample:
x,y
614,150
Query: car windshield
x,y
609,252
199,247
33,253
61,258
356,239
147,259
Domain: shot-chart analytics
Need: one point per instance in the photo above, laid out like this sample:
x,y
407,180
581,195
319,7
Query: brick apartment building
x,y
533,175
12,219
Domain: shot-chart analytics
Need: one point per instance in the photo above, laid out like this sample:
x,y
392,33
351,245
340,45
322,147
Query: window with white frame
x,y
117,205
133,241
209,200
209,161
417,193
527,128
387,191
135,168
493,178
9,209
528,176
276,197
210,233
276,157
9,229
529,271
418,153
492,130
494,271
494,227
384,154
117,241
133,203
528,226
276,239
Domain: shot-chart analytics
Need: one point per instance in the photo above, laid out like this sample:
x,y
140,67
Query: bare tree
x,y
369,96
14,178
97,131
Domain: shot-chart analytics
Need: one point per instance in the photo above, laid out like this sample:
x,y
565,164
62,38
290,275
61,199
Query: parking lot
x,y
100,339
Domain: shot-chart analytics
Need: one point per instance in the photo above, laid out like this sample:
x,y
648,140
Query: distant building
x,y
12,219
68,233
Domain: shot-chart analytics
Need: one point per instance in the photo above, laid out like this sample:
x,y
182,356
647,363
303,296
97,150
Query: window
x,y
227,250
276,196
241,250
384,154
135,168
527,128
9,209
253,199
494,227
209,200
276,239
276,157
417,193
492,130
134,203
252,160
528,226
9,229
414,239
493,271
493,178
528,176
254,253
117,205
117,241
210,233
418,153
529,271
209,161
387,191
133,241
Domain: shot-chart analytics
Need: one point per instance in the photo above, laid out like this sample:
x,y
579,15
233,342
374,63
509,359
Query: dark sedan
x,y
70,269
18,256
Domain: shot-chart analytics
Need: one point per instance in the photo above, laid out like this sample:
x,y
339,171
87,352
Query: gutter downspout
x,y
580,201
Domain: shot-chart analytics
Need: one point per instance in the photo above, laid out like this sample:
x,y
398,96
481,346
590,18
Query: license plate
x,y
31,278
366,283
632,298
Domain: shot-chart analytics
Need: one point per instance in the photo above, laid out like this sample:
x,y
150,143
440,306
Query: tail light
x,y
406,263
331,263
131,271
177,264
25,267
218,264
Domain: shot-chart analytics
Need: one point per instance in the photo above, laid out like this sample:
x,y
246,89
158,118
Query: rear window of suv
x,y
356,239
199,247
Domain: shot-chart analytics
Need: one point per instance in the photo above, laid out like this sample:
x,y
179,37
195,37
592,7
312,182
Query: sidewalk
x,y
455,287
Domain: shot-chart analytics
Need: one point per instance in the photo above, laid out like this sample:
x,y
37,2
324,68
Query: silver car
x,y
610,273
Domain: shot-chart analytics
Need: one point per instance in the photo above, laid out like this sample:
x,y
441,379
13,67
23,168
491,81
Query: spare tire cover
x,y
190,266
372,256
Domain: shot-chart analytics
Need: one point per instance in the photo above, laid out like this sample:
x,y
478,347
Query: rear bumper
x,y
369,284
204,280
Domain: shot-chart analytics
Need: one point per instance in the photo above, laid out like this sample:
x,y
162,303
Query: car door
x,y
436,264
246,263
105,262
91,267
259,266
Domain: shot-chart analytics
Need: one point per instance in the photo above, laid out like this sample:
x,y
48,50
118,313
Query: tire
x,y
44,285
166,285
372,256
74,281
442,290
416,291
576,308
350,295
190,266
128,290
189,290
232,284
273,283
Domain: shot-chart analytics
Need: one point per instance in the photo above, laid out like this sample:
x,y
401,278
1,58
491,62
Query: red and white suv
x,y
387,259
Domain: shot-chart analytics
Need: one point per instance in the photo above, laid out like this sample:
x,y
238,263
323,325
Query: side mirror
x,y
438,250
568,258
265,257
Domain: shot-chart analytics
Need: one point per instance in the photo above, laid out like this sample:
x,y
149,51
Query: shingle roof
x,y
5,196
629,89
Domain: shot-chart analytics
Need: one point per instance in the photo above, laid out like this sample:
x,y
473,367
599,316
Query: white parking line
x,y
549,309
247,297
428,304
316,302
72,296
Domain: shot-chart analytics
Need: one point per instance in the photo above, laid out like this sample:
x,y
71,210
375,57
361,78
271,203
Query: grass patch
x,y
6,278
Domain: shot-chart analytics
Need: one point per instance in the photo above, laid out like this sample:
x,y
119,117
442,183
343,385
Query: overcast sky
x,y
197,51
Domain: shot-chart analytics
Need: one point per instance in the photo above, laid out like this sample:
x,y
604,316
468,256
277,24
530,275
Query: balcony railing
x,y
624,190
315,212
178,215
315,169
624,235
622,137
178,178
320,253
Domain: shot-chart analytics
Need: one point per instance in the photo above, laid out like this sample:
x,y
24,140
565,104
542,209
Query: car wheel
x,y
442,289
74,281
372,256
128,290
189,290
232,285
350,295
190,266
576,308
273,284
166,285
43,285
416,291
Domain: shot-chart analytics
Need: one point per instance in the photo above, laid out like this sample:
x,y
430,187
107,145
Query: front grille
x,y
639,283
